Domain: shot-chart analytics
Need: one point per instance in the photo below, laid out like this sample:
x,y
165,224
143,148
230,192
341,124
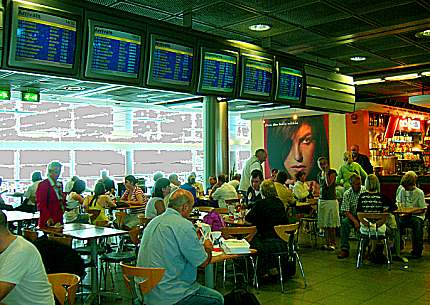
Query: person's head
x,y
36,176
182,201
294,147
158,175
409,180
3,223
261,155
174,179
355,181
54,170
161,188
221,179
274,172
354,151
323,163
236,177
372,184
256,179
347,157
281,177
268,189
301,176
79,186
130,182
99,189
212,180
192,178
104,175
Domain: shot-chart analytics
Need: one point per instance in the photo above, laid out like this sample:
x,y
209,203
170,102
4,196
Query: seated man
x,y
224,191
349,211
212,185
235,181
23,279
253,194
170,242
409,196
189,186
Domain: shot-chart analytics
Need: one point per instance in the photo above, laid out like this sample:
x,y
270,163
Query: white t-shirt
x,y
224,192
151,211
22,265
251,164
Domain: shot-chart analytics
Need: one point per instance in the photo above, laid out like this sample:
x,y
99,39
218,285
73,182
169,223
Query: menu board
x,y
171,63
218,72
257,78
115,52
290,84
45,39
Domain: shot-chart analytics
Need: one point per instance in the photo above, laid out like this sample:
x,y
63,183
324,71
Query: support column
x,y
222,137
128,162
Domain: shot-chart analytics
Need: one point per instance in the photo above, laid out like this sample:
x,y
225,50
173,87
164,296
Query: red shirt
x,y
48,203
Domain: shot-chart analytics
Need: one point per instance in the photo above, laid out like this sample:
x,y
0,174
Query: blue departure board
x,y
257,78
171,64
219,72
290,84
115,52
45,39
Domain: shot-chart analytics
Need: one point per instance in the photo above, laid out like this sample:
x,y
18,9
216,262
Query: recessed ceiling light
x,y
260,27
73,88
369,81
423,34
358,58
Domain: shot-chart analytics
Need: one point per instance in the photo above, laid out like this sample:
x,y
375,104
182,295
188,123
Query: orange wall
x,y
358,132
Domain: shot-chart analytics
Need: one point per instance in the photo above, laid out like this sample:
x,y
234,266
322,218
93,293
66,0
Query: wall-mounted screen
x,y
218,72
113,54
290,84
171,64
41,40
256,77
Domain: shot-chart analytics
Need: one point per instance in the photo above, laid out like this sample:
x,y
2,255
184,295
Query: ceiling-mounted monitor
x,y
44,38
218,72
113,53
171,64
257,77
289,83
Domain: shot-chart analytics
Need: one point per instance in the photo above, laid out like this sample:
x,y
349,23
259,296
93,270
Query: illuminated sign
x,y
410,124
30,97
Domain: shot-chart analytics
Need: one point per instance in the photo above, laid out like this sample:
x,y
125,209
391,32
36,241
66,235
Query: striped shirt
x,y
350,200
133,197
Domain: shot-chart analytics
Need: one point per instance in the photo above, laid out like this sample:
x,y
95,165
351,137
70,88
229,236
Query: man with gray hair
x,y
23,278
170,241
174,182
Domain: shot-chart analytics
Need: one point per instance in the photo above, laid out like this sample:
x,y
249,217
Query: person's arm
x,y
140,199
217,194
160,207
251,217
106,202
208,249
331,178
363,173
5,288
339,178
421,202
86,202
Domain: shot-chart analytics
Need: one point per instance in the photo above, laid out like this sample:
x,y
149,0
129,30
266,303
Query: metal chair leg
x,y
280,273
388,254
254,268
360,254
302,271
234,273
223,274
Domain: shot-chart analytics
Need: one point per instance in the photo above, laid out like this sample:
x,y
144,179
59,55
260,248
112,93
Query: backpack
x,y
240,296
214,220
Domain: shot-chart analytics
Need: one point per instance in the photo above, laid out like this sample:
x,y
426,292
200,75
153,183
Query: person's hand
x,y
208,245
49,222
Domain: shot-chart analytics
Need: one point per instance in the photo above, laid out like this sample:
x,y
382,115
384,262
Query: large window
x,y
239,142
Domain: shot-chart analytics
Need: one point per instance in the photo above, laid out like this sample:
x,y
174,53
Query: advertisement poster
x,y
295,145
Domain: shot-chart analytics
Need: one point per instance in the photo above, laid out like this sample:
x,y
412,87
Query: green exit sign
x,y
4,95
30,97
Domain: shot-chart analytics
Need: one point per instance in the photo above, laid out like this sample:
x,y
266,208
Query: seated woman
x,y
301,189
284,193
99,202
266,214
157,205
133,196
74,199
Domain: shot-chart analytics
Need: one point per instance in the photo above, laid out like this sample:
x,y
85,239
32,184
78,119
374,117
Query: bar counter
x,y
389,184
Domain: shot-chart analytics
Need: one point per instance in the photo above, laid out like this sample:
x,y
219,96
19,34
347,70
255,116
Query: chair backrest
x,y
120,218
220,210
101,223
64,240
284,231
205,209
235,232
93,214
29,234
64,286
151,277
377,219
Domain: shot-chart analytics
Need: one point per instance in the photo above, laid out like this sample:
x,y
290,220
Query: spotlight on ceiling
x,y
358,58
423,34
260,27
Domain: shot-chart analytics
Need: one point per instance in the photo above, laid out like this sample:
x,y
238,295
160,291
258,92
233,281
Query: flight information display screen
x,y
45,39
115,52
290,84
219,72
171,63
257,78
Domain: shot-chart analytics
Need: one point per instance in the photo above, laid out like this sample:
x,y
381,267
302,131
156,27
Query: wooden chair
x,y
143,221
151,277
220,210
93,214
30,235
248,234
64,240
287,233
64,286
101,223
120,219
372,222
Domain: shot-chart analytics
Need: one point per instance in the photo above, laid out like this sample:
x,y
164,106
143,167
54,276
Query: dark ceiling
x,y
327,32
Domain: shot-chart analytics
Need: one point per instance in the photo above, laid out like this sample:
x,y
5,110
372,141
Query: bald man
x,y
361,159
170,242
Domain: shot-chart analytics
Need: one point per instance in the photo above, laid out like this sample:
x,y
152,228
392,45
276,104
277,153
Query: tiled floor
x,y
332,281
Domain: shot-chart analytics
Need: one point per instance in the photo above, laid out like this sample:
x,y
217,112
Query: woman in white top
x,y
301,189
156,204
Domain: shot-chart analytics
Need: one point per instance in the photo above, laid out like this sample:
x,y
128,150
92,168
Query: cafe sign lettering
x,y
412,124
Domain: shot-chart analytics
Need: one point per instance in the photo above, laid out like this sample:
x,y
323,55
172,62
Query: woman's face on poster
x,y
301,155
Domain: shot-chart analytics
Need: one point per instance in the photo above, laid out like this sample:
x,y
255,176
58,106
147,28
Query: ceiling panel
x,y
172,6
381,43
405,51
360,7
296,38
140,10
273,5
222,14
399,14
343,27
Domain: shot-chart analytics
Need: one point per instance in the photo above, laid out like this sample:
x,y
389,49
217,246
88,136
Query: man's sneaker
x,y
343,254
331,248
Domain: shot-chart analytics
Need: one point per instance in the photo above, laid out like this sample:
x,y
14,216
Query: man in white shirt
x,y
251,164
23,278
224,192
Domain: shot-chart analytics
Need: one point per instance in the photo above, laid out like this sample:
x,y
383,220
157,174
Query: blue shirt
x,y
191,189
170,242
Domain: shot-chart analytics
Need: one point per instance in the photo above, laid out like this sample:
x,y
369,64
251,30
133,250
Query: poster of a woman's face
x,y
296,145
